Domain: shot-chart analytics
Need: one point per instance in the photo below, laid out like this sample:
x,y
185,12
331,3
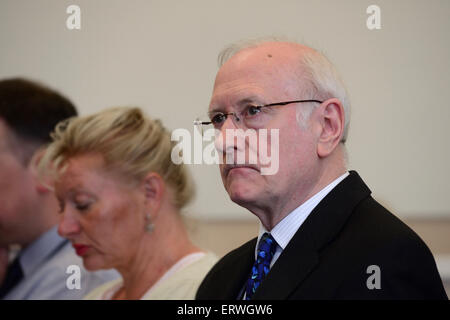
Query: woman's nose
x,y
68,226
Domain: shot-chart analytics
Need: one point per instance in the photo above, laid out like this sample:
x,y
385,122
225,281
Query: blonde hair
x,y
130,143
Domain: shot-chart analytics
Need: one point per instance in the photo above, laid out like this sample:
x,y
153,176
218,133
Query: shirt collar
x,y
37,252
286,228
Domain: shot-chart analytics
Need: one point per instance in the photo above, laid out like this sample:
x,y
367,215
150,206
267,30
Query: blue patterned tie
x,y
266,249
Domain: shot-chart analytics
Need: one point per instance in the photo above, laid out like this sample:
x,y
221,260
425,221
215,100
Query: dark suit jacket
x,y
329,255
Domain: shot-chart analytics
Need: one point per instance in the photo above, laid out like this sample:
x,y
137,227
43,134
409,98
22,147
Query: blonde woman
x,y
120,196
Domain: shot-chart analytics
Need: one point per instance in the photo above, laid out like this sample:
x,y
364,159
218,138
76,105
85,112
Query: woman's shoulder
x,y
198,268
103,292
205,261
183,284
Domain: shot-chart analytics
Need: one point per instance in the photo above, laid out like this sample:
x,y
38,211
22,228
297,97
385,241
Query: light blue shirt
x,y
44,264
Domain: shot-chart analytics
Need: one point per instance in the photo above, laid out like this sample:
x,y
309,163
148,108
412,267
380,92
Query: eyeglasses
x,y
251,116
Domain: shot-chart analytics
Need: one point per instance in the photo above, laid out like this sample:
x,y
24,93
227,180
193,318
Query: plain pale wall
x,y
161,55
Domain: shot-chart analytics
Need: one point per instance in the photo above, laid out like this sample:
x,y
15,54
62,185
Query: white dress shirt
x,y
286,228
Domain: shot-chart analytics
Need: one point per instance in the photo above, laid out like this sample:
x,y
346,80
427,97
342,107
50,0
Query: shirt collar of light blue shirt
x,y
39,250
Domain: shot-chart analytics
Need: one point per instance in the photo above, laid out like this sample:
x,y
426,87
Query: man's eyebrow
x,y
240,102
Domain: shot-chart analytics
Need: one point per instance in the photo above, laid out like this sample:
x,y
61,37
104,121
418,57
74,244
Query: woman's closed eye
x,y
82,206
82,201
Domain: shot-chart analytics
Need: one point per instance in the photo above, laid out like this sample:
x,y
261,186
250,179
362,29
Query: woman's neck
x,y
153,257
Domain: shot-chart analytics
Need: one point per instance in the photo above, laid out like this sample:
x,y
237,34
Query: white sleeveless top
x,y
180,282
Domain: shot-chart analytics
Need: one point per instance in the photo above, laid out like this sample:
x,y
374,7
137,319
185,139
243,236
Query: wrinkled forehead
x,y
78,169
271,71
89,171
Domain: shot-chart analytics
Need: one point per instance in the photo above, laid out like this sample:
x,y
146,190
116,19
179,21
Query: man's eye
x,y
218,118
253,110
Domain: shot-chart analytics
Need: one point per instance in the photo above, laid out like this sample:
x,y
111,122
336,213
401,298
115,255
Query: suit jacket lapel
x,y
301,256
242,264
294,264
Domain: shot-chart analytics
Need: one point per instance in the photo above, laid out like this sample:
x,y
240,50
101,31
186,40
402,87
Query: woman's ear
x,y
332,121
153,187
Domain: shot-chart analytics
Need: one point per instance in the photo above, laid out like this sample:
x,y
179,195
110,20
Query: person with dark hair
x,y
29,112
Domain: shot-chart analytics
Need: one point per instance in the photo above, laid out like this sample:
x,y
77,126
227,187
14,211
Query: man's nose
x,y
232,121
222,144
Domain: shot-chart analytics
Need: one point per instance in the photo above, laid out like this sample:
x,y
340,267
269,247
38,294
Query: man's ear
x,y
331,117
153,187
43,182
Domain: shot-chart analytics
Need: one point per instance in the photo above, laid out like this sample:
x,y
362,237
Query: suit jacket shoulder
x,y
381,246
349,247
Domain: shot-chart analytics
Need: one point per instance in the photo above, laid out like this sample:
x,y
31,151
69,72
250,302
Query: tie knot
x,y
267,246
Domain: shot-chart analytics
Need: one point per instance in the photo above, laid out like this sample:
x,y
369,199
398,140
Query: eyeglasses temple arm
x,y
289,102
199,122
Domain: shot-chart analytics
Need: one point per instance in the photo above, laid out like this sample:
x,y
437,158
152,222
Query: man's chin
x,y
242,185
240,195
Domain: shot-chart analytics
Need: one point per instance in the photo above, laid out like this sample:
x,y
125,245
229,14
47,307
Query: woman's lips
x,y
80,249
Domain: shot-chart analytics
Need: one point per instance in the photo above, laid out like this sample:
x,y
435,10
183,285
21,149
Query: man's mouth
x,y
229,167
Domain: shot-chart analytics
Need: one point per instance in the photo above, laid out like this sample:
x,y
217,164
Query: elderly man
x,y
46,266
322,235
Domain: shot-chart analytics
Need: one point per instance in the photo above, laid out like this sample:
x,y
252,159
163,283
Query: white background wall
x,y
161,55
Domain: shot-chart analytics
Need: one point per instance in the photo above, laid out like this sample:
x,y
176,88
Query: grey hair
x,y
317,70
